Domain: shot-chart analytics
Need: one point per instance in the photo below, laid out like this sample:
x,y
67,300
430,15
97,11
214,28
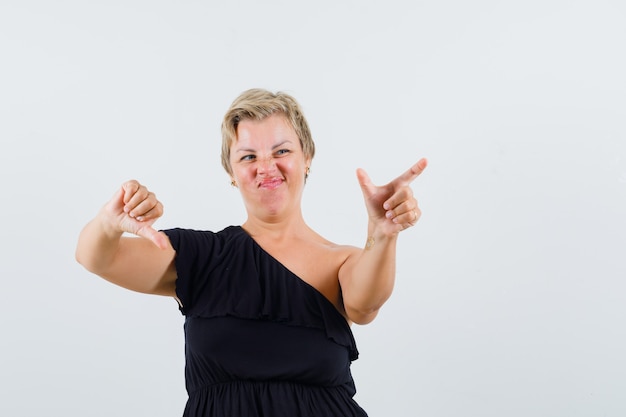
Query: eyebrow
x,y
278,145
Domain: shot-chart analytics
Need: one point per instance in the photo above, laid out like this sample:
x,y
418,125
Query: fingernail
x,y
140,218
389,214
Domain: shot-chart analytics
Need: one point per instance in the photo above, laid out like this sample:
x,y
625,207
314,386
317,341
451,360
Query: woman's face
x,y
268,166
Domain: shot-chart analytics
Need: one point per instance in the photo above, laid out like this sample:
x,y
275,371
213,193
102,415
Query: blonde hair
x,y
257,104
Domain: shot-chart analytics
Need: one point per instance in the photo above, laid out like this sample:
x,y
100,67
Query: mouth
x,y
270,183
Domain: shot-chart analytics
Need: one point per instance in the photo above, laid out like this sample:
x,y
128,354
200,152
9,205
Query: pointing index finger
x,y
407,177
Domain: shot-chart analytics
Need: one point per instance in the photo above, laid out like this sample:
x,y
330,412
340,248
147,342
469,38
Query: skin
x,y
268,167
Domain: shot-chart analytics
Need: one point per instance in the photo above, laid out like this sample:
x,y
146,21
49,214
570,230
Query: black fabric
x,y
259,341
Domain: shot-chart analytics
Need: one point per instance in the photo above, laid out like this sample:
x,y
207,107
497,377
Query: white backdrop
x,y
510,297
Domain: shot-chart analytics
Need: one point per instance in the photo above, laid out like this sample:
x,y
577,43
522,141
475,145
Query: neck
x,y
277,229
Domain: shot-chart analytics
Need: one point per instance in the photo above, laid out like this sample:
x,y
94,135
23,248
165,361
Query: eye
x,y
247,157
282,152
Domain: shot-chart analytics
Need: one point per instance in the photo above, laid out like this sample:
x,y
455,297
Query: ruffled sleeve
x,y
195,259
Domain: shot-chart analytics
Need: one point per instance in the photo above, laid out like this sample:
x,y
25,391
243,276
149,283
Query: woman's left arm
x,y
367,276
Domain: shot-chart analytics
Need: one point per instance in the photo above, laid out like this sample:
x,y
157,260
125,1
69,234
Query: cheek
x,y
289,165
239,174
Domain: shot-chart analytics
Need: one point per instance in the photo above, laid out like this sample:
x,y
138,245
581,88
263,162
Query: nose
x,y
266,165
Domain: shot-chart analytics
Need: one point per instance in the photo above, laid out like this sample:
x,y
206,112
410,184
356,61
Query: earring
x,y
307,172
233,183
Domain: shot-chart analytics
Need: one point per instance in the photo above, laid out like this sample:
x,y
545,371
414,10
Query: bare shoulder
x,y
336,253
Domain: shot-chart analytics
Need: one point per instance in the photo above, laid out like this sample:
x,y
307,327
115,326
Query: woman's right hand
x,y
134,209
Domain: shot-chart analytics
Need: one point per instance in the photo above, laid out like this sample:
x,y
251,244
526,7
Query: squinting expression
x,y
268,163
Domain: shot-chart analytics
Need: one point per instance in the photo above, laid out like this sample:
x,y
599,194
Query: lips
x,y
270,183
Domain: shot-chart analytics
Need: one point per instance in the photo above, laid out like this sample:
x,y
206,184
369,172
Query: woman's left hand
x,y
392,207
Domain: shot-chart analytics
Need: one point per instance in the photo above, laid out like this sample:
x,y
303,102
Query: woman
x,y
268,304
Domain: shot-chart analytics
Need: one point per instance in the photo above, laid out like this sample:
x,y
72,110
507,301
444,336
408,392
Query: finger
x,y
140,196
408,176
151,212
399,197
364,181
130,188
409,218
406,206
152,235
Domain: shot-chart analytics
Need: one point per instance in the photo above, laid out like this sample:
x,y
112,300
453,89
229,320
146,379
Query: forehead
x,y
275,127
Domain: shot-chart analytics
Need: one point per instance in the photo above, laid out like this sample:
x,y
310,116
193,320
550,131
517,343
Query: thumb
x,y
365,182
152,235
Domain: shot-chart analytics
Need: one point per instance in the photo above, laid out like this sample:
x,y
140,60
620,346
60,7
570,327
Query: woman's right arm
x,y
144,263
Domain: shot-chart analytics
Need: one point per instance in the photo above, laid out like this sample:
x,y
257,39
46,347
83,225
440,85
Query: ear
x,y
307,169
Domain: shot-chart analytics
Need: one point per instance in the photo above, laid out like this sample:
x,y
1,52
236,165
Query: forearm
x,y
370,277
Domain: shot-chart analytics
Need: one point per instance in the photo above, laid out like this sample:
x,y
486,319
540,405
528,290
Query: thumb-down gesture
x,y
391,207
134,209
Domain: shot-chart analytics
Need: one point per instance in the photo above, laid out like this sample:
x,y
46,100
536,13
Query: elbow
x,y
85,260
82,258
79,257
362,316
363,311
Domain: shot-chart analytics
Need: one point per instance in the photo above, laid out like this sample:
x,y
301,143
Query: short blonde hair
x,y
257,104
